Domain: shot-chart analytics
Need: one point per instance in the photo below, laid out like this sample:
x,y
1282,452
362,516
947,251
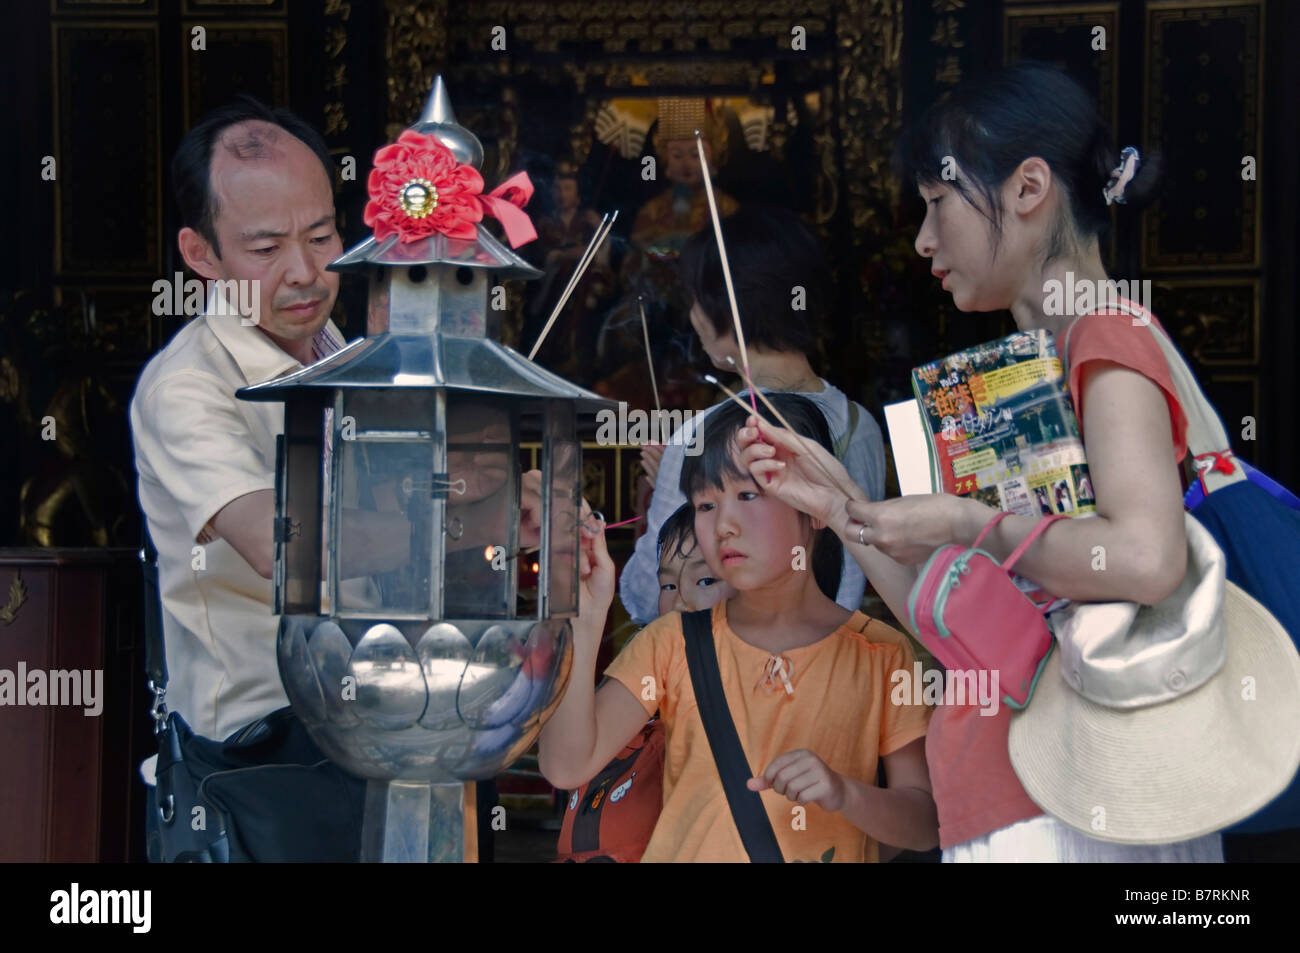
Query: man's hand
x,y
803,778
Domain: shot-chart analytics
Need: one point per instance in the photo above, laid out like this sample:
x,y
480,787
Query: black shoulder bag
x,y
267,793
733,767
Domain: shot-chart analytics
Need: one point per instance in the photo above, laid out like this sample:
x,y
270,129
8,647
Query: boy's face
x,y
686,583
747,538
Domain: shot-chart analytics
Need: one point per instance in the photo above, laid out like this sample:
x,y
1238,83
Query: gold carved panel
x,y
1214,320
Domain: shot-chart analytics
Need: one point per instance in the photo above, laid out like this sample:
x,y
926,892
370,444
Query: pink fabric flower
x,y
417,188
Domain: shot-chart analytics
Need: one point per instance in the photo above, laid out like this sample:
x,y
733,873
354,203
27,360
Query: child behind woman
x,y
806,682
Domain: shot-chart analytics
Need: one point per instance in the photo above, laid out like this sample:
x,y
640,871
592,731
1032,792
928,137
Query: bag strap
x,y
1025,543
154,648
1206,438
733,767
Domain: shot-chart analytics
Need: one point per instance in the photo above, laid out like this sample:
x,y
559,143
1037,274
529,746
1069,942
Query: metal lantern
x,y
404,644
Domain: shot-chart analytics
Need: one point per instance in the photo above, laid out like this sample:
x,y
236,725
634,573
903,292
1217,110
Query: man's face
x,y
275,225
687,584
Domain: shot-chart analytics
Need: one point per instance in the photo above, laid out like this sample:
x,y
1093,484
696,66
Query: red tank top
x,y
975,788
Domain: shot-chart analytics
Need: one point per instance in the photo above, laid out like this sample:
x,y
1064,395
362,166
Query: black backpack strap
x,y
733,767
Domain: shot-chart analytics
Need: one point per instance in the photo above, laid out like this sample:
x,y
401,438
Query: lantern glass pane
x,y
384,501
386,511
481,529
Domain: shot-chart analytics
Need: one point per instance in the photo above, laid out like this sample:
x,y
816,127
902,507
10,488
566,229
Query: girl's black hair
x,y
717,462
677,535
771,253
990,126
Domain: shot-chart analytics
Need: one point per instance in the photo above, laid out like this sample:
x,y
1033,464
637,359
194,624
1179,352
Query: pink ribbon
x,y
505,204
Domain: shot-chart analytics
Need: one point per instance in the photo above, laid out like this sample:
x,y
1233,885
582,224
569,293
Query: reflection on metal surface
x,y
462,704
390,685
444,652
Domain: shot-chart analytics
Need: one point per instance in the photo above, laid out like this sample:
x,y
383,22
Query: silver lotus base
x,y
442,702
414,822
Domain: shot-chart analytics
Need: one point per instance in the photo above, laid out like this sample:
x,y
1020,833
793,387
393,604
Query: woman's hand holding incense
x,y
908,529
787,466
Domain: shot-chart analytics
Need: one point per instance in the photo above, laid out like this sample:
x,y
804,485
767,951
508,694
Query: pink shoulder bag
x,y
968,611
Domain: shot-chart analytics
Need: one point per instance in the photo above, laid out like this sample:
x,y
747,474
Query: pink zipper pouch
x,y
968,611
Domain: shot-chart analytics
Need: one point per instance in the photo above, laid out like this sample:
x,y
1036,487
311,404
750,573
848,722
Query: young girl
x,y
1032,158
807,683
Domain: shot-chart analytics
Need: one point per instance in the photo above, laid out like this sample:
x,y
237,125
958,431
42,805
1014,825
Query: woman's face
x,y
960,243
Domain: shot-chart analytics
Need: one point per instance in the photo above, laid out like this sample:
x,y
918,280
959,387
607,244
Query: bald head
x,y
245,133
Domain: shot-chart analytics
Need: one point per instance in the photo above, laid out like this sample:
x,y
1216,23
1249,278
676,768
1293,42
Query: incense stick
x,y
799,438
649,358
588,253
606,223
726,265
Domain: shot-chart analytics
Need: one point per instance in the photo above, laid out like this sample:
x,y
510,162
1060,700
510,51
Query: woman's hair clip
x,y
1121,176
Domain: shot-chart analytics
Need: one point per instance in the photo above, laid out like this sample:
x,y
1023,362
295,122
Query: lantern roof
x,y
438,120
416,351
468,364
438,249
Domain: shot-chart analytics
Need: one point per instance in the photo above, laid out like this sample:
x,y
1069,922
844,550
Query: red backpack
x,y
612,816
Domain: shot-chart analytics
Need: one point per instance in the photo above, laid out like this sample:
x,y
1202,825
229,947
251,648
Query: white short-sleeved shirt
x,y
197,448
863,456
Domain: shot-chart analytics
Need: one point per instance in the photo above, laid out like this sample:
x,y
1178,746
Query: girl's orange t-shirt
x,y
975,788
842,709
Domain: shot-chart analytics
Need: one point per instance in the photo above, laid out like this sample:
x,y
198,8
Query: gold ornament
x,y
418,198
679,117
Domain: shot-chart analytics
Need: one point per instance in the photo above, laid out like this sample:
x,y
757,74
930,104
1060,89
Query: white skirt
x,y
1046,840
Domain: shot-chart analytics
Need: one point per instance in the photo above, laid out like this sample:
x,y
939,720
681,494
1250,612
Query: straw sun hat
x,y
1196,763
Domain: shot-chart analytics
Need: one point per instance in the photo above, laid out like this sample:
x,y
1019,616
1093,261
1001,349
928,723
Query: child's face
x,y
687,584
748,538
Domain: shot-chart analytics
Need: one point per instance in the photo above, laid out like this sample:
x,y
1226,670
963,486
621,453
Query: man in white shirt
x,y
257,201
255,192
